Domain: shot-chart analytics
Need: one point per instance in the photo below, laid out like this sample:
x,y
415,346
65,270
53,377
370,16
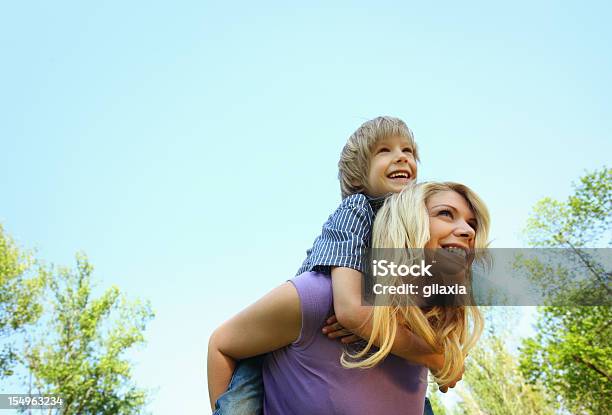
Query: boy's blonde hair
x,y
355,158
403,222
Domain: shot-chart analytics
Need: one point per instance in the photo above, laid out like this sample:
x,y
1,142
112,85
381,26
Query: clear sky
x,y
190,148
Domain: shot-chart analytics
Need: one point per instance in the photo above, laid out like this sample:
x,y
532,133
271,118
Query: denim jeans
x,y
428,409
244,396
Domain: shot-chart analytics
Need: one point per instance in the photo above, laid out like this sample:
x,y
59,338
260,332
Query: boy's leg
x,y
244,396
428,409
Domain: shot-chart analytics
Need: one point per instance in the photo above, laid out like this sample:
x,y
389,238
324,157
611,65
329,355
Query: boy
x,y
379,158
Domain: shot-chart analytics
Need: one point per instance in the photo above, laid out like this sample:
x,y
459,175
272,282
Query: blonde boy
x,y
379,158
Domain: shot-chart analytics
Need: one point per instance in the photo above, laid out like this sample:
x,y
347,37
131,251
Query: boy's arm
x,y
272,322
346,283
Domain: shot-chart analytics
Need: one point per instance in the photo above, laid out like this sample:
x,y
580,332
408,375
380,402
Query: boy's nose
x,y
400,157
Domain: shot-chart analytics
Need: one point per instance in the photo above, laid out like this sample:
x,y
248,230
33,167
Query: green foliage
x,y
583,220
571,276
81,357
21,284
570,355
493,385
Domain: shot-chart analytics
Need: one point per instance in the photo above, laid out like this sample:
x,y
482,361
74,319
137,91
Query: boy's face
x,y
392,166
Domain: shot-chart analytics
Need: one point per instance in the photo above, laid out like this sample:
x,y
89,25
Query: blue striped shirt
x,y
344,236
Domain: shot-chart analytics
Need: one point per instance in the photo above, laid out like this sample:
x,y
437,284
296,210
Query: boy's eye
x,y
383,150
407,150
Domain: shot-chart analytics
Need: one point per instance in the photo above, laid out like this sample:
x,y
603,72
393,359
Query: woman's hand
x,y
333,330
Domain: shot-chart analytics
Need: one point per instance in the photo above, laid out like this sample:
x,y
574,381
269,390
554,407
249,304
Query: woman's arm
x,y
272,322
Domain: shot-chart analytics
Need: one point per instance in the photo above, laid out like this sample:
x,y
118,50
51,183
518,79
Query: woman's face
x,y
452,224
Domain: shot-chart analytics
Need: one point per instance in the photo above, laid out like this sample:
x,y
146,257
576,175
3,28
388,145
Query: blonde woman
x,y
308,373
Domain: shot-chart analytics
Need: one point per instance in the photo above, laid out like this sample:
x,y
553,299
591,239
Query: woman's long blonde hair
x,y
403,222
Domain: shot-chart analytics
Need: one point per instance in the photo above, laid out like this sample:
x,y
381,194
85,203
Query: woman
x,y
309,373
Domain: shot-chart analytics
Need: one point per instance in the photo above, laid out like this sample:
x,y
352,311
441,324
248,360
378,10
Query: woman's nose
x,y
464,230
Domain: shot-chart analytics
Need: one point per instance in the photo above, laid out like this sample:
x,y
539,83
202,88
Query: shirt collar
x,y
377,202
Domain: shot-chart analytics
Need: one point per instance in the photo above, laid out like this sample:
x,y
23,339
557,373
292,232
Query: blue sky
x,y
190,148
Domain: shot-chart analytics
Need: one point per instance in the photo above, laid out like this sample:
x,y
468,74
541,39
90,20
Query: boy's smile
x,y
392,166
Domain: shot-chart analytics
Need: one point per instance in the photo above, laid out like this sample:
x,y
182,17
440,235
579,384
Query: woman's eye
x,y
445,213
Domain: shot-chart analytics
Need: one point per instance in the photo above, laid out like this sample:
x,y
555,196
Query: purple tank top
x,y
307,378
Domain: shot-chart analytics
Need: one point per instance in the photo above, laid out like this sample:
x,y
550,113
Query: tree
x,y
493,384
583,220
81,355
21,284
571,354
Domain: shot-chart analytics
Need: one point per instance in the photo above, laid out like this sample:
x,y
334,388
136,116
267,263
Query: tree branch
x,y
590,267
591,366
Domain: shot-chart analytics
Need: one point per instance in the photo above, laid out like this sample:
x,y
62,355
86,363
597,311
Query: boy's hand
x,y
333,330
444,388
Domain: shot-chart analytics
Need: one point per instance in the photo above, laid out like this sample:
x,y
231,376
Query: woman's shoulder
x,y
315,293
314,287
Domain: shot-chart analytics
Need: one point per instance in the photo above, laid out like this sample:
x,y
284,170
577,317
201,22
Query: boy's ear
x,y
359,182
356,183
362,186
